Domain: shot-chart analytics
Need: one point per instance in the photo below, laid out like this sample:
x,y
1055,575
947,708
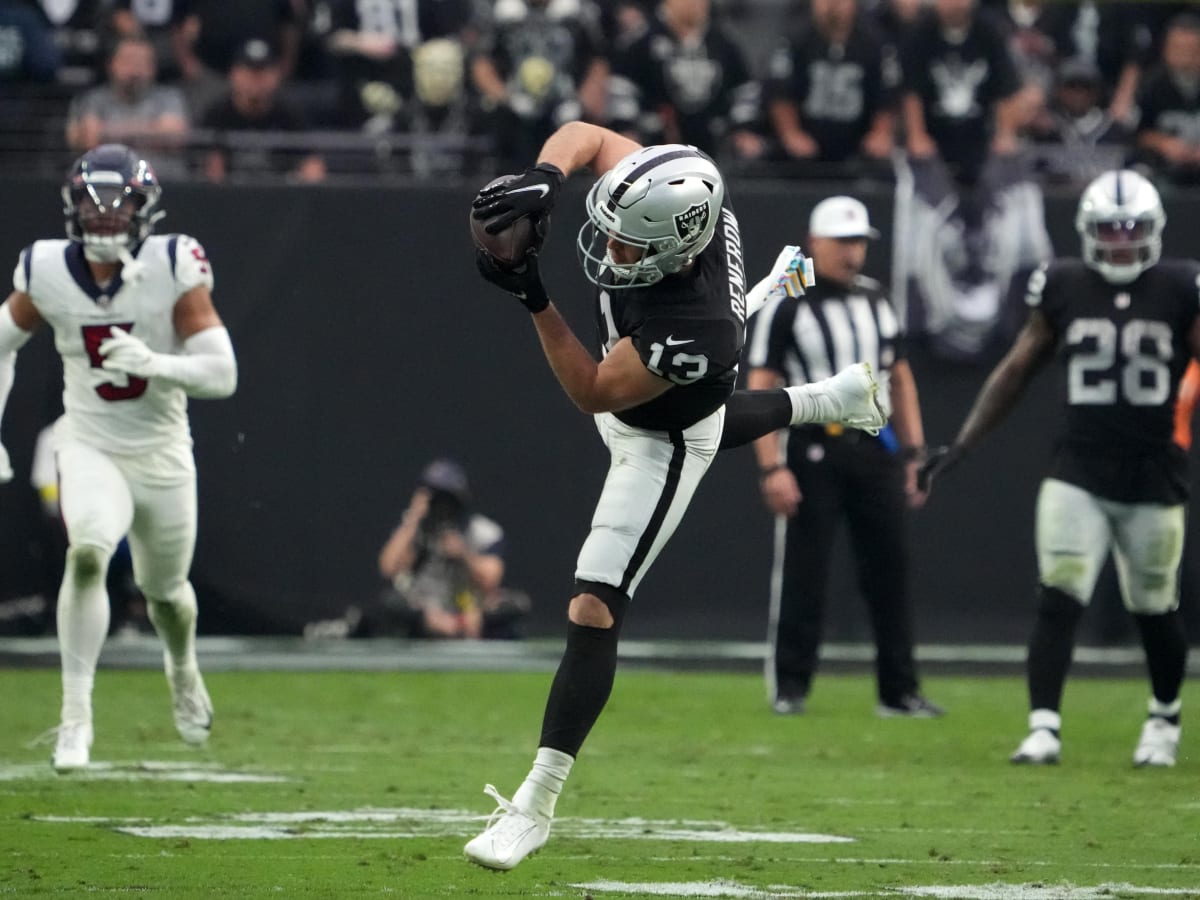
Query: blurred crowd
x,y
307,90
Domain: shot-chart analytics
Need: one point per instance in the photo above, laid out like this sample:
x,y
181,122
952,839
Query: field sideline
x,y
348,784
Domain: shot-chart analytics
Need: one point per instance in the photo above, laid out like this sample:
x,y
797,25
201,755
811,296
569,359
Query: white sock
x,y
811,404
1045,718
539,791
175,622
1165,710
82,617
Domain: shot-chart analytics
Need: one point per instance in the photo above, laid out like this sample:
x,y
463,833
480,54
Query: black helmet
x,y
110,201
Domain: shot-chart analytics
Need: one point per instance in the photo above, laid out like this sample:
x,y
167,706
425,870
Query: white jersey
x,y
109,410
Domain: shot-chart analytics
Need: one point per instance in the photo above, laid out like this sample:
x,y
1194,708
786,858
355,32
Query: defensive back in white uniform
x,y
134,322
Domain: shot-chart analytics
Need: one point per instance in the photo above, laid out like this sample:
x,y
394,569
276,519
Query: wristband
x,y
770,470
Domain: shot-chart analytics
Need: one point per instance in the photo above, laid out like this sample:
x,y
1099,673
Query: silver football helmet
x,y
1120,220
663,203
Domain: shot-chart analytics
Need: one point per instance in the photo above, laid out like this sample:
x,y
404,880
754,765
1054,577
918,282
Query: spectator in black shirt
x,y
961,90
686,81
253,104
1076,138
371,47
829,98
1169,132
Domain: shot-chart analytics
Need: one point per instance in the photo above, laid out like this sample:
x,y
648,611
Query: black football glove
x,y
937,461
532,194
524,282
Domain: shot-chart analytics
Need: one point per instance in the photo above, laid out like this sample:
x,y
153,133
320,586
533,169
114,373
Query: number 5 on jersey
x,y
93,337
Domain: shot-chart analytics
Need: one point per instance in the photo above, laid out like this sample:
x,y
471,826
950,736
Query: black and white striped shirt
x,y
812,337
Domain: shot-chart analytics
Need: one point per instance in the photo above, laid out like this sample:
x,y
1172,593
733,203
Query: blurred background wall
x,y
368,345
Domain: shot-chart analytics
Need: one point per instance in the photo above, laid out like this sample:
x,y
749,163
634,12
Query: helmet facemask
x,y
661,205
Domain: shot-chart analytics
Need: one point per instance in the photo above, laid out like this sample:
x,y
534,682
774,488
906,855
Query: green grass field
x,y
351,785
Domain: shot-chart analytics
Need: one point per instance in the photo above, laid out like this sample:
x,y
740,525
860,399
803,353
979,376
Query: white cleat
x,y
855,398
510,836
191,705
1041,748
1158,744
72,749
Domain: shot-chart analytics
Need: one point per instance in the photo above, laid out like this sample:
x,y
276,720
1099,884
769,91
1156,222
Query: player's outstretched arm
x,y
18,319
1000,393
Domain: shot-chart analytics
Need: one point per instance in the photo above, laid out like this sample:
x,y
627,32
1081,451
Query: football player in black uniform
x,y
662,246
1122,326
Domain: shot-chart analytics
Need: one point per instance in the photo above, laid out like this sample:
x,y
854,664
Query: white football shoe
x,y
853,395
511,835
72,749
1158,744
1041,748
191,705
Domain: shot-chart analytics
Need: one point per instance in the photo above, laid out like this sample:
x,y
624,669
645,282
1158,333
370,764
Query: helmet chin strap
x,y
131,269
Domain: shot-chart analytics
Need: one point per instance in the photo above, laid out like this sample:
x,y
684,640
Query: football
x,y
507,247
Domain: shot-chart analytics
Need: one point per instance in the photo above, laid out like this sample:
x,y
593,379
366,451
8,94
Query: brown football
x,y
507,247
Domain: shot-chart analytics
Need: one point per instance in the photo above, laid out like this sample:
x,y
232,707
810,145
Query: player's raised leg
x,y
162,541
97,508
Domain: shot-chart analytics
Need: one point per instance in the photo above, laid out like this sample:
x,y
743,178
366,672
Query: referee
x,y
812,476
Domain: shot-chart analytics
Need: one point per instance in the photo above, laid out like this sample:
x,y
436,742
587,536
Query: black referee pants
x,y
855,478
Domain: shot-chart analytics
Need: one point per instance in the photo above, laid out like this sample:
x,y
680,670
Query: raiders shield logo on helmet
x,y
691,222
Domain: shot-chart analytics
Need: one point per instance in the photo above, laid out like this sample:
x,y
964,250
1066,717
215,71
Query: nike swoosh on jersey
x,y
542,189
671,342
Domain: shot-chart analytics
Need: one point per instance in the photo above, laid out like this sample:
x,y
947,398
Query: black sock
x,y
751,414
1051,646
1165,644
581,687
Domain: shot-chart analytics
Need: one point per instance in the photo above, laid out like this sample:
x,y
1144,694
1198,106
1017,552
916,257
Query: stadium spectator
x,y
961,90
371,47
831,94
28,53
1118,482
539,64
209,35
150,19
1075,137
76,26
444,564
817,475
251,117
1169,131
123,446
132,109
447,131
686,81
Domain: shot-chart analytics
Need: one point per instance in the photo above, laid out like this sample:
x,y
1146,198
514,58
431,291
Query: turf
x,y
680,767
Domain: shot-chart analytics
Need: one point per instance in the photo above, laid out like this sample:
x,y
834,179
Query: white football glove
x,y
790,275
125,353
6,472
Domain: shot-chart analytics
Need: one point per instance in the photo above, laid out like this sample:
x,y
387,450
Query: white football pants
x,y
1076,530
651,478
151,497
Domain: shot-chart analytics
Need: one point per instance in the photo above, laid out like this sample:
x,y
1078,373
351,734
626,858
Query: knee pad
x,y
87,563
616,600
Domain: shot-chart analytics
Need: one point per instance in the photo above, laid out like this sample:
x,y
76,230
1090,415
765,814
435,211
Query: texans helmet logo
x,y
691,223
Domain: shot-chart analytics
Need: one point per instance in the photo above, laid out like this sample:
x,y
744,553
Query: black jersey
x,y
1166,108
689,328
1121,351
837,88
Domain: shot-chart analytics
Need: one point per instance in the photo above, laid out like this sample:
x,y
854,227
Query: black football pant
x,y
855,479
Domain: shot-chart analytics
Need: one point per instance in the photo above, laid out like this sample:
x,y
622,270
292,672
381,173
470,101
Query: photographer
x,y
444,566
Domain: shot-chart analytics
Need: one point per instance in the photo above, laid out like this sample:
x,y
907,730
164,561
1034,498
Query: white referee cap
x,y
840,217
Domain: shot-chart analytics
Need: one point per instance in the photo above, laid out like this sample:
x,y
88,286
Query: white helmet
x,y
1120,220
665,199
